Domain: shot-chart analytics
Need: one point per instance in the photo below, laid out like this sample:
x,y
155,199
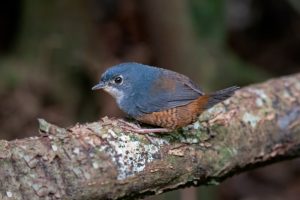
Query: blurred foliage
x,y
209,21
47,54
295,4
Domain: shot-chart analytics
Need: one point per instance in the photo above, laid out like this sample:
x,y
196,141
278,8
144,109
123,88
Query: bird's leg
x,y
133,127
151,130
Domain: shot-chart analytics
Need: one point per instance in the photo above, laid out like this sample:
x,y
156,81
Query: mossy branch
x,y
259,125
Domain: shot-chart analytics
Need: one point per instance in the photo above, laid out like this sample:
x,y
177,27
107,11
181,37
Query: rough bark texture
x,y
260,124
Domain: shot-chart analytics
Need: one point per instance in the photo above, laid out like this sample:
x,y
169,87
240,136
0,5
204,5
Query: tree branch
x,y
259,125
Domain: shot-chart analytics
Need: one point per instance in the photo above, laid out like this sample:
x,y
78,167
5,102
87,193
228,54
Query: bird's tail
x,y
220,96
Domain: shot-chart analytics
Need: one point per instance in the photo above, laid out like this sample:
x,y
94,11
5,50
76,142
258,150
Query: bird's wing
x,y
169,91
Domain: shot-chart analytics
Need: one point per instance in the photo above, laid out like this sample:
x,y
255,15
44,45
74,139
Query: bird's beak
x,y
100,85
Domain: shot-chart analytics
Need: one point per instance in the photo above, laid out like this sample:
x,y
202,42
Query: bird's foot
x,y
136,128
151,130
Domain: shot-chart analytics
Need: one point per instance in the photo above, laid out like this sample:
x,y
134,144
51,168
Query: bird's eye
x,y
118,80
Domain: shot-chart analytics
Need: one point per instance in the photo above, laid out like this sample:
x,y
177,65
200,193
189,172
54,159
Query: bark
x,y
259,125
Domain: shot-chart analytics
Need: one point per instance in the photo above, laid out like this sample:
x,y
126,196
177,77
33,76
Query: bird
x,y
159,97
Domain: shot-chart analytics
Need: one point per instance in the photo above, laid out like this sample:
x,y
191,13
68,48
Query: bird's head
x,y
124,80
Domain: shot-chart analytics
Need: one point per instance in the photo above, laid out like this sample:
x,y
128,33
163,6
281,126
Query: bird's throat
x,y
116,93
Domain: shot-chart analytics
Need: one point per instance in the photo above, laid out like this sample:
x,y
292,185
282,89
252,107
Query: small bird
x,y
157,96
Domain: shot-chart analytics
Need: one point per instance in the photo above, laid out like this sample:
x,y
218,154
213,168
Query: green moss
x,y
133,138
173,160
226,155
